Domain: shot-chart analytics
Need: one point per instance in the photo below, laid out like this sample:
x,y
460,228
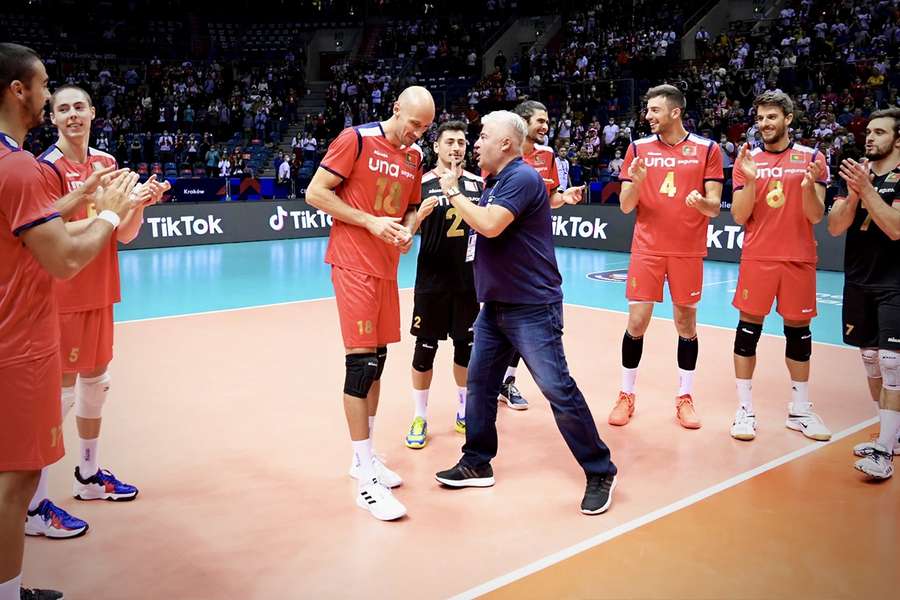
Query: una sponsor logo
x,y
615,275
188,225
579,227
729,237
667,162
301,219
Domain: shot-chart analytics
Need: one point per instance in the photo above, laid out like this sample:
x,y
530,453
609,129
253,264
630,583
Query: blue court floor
x,y
178,281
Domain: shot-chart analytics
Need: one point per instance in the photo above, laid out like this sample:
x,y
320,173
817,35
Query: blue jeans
x,y
535,332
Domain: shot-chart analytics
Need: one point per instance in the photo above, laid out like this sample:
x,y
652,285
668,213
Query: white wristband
x,y
110,217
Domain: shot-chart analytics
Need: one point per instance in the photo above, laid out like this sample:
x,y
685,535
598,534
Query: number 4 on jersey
x,y
668,185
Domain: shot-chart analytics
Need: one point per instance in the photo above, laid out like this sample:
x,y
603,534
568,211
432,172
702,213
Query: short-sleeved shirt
x,y
777,229
665,225
871,258
29,326
543,159
97,284
442,266
378,178
519,265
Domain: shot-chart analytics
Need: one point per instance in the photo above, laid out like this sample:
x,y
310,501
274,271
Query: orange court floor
x,y
231,425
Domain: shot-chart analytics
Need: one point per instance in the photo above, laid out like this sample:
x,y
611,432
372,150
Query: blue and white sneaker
x,y
509,393
53,522
102,485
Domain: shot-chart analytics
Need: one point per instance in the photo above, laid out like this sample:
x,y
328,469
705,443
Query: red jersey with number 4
x,y
97,284
29,327
665,225
379,179
777,229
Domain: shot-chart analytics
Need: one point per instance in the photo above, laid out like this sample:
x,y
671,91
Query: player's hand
x,y
450,178
637,171
694,199
813,171
856,174
405,246
573,195
158,189
426,208
389,230
116,195
746,163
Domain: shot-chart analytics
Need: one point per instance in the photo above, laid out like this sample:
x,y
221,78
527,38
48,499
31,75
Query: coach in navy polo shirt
x,y
517,279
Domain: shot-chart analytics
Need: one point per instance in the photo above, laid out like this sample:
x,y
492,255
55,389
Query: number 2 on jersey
x,y
454,230
668,185
387,199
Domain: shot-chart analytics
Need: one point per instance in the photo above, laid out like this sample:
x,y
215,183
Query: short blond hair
x,y
513,122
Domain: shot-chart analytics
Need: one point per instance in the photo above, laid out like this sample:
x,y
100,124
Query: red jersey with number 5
x,y
665,225
378,178
777,228
97,284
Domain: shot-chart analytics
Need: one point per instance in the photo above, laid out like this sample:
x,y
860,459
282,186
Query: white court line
x,y
624,528
706,285
699,324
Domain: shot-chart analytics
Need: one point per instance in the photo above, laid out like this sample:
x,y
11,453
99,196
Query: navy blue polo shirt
x,y
519,265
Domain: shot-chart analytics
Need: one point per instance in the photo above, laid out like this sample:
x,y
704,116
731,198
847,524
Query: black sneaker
x,y
465,476
598,494
509,393
35,594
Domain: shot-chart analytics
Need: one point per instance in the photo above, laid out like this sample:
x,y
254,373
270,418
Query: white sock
x,y
87,459
745,394
685,382
800,396
420,397
10,590
890,424
510,372
461,409
629,376
41,492
362,457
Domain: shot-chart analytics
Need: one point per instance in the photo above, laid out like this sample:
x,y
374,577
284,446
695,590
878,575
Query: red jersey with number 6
x,y
665,225
378,178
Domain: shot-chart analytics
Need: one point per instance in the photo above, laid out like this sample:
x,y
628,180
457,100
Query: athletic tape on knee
x,y
870,362
360,374
746,338
462,352
68,400
890,369
798,343
90,396
632,349
688,349
381,355
423,354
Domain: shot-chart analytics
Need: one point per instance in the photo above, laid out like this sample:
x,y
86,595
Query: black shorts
x,y
871,317
436,316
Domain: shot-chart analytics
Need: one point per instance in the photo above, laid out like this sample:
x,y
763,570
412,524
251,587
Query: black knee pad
x,y
423,355
462,352
746,338
381,355
798,343
360,374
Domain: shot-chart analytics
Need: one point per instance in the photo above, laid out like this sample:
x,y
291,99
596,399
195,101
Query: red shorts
x,y
368,307
30,415
647,273
86,339
761,281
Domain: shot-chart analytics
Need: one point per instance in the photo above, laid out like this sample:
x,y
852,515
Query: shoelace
x,y
601,484
514,391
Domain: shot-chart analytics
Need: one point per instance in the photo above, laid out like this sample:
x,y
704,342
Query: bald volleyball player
x,y
370,183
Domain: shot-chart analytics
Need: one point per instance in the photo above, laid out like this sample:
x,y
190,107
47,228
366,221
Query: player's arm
x,y
64,255
320,195
842,213
710,204
572,195
68,204
489,221
814,192
744,195
423,211
144,194
886,217
636,172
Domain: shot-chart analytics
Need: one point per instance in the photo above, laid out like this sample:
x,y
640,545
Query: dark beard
x,y
873,156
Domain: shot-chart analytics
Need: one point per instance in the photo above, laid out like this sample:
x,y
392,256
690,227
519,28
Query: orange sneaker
x,y
622,411
685,413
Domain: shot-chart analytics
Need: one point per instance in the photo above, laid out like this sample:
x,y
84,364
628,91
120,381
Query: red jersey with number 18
x,y
378,178
665,225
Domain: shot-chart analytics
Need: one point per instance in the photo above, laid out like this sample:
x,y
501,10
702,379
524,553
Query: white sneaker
x,y
744,426
877,464
384,475
808,423
865,449
378,500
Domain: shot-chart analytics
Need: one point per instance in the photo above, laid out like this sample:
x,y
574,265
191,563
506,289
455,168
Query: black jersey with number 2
x,y
442,266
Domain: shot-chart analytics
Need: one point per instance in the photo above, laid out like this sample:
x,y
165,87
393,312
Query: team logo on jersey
x,y
796,158
410,159
689,151
616,276
470,186
892,178
539,161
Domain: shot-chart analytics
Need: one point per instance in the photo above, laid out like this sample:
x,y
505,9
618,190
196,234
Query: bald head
x,y
413,114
